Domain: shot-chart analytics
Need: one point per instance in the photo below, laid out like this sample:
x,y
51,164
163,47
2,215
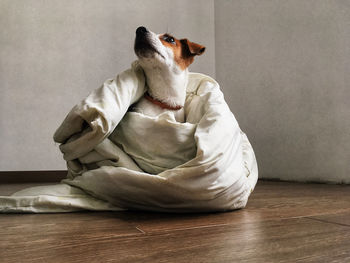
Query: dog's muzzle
x,y
143,47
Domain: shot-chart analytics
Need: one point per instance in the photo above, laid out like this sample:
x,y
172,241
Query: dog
x,y
165,61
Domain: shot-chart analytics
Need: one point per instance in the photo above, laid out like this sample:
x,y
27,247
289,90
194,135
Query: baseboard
x,y
18,177
306,181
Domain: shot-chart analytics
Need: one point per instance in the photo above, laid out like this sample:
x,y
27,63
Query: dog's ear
x,y
192,48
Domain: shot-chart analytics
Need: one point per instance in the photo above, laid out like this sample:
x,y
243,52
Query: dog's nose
x,y
141,30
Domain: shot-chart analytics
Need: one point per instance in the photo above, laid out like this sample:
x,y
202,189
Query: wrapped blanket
x,y
119,159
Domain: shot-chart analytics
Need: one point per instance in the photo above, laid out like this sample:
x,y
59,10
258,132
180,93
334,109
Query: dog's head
x,y
164,50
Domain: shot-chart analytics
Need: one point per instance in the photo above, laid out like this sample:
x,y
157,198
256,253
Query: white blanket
x,y
119,159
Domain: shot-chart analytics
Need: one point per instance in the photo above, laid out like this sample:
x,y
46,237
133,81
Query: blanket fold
x,y
119,159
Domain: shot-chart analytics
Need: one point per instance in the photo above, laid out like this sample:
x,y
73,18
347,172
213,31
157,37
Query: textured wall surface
x,y
53,53
284,67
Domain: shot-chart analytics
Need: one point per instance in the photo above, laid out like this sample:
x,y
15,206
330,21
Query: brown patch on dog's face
x,y
183,50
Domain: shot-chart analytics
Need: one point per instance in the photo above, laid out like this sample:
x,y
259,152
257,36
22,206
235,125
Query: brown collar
x,y
160,103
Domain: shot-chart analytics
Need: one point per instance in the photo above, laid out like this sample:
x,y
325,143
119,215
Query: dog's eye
x,y
170,40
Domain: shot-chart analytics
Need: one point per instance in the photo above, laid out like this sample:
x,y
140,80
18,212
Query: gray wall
x,y
53,53
284,67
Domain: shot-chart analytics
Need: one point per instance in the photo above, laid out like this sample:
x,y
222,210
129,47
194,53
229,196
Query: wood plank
x,y
288,240
103,223
296,199
270,200
21,235
342,218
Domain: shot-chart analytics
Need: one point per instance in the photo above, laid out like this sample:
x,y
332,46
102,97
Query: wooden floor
x,y
283,222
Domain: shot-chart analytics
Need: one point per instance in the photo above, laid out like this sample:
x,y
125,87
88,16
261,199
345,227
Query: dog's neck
x,y
167,87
